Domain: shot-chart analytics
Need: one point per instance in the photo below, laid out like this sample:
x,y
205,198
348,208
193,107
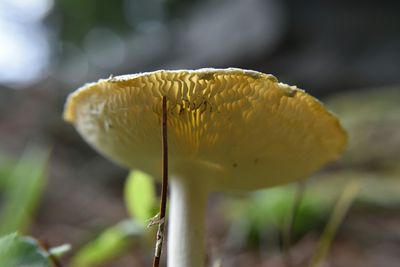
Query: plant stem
x,y
186,224
164,186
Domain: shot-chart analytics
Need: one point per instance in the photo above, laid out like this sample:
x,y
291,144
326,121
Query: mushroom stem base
x,y
186,224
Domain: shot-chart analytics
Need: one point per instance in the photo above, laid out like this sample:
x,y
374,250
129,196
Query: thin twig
x,y
164,186
288,230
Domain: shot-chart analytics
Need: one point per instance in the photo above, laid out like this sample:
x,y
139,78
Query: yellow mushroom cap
x,y
236,129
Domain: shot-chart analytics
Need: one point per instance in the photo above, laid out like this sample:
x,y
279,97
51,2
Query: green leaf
x,y
22,190
276,204
108,245
140,196
18,251
266,212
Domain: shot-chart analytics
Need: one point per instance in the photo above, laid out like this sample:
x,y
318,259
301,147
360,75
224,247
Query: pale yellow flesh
x,y
240,130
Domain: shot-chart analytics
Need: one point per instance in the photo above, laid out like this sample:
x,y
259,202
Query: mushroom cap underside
x,y
233,128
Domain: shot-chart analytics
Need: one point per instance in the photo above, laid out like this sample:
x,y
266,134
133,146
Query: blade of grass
x,y
109,244
340,210
140,196
23,189
288,229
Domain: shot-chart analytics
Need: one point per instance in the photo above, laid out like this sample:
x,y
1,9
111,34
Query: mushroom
x,y
228,129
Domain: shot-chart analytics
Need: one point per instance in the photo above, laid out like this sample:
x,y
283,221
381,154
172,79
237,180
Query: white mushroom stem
x,y
186,223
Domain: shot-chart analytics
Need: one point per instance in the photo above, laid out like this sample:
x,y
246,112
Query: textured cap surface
x,y
236,129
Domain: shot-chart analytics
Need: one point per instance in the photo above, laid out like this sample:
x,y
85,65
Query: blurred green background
x,y
57,189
